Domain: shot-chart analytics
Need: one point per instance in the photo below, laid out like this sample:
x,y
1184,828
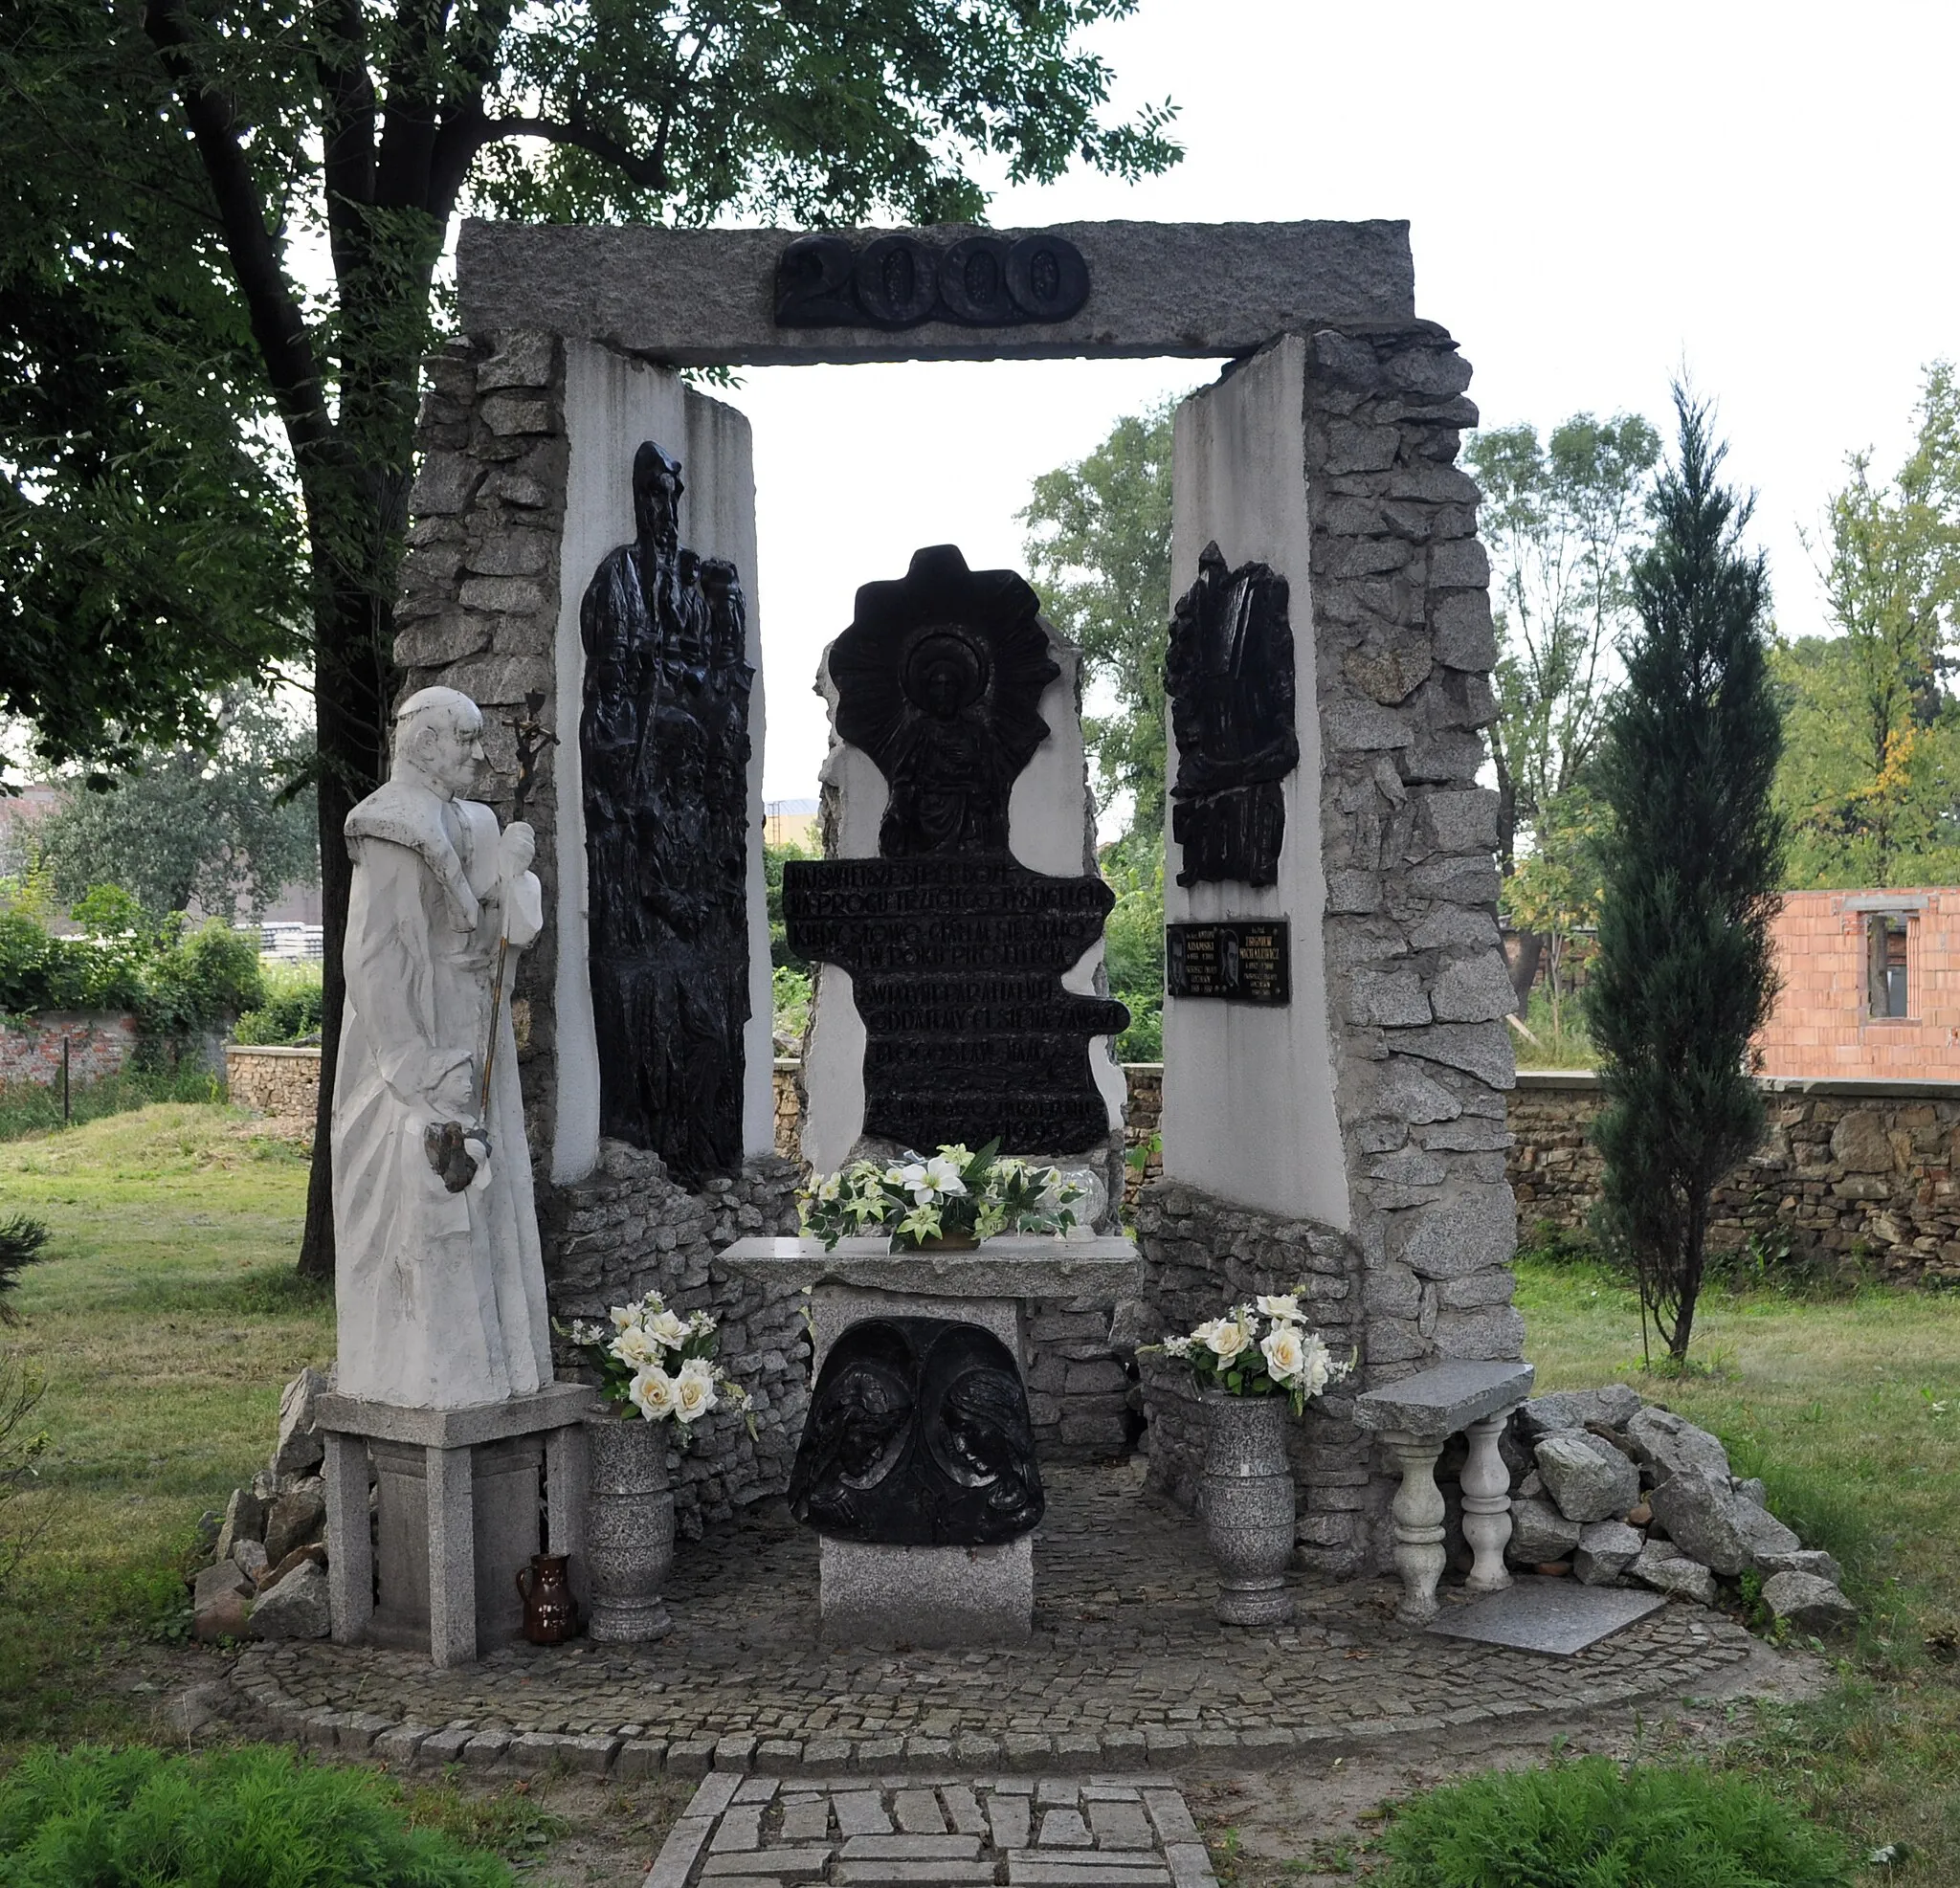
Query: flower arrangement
x,y
660,1363
1260,1349
955,1195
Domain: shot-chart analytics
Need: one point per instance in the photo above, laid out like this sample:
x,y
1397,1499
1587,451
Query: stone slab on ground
x,y
706,297
1128,1669
951,1829
1549,1615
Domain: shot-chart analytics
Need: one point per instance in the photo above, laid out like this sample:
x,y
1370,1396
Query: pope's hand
x,y
516,849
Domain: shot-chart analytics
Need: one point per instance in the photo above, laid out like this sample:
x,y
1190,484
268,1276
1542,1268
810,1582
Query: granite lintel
x,y
557,1405
1439,1402
706,297
1011,1266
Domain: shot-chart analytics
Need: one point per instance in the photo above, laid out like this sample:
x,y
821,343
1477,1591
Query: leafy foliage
x,y
1591,1824
185,824
22,1243
1098,549
1683,976
774,860
1133,942
291,1009
1563,520
138,1818
1870,781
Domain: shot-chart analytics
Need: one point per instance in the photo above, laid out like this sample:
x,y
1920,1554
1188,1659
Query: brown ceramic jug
x,y
549,1615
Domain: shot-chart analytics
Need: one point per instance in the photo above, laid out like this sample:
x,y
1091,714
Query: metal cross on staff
x,y
532,738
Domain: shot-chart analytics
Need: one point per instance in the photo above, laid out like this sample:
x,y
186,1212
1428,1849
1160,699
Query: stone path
x,y
1046,1832
1127,1669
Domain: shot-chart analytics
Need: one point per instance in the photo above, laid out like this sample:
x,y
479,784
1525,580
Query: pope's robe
x,y
440,1295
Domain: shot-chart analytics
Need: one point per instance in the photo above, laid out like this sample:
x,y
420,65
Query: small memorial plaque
x,y
1241,960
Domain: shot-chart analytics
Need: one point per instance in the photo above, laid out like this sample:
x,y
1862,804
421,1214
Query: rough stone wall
x,y
99,1042
479,611
627,1230
1202,1255
1416,984
1863,1170
277,1082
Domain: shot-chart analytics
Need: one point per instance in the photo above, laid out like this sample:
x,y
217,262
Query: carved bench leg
x,y
1487,1505
1418,1511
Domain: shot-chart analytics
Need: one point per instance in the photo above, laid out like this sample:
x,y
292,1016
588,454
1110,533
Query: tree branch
x,y
411,124
277,325
650,173
347,133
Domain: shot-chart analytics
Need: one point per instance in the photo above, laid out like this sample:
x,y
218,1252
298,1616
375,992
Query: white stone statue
x,y
440,1280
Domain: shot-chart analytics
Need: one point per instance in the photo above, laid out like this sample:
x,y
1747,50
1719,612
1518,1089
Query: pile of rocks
x,y
267,1578
1611,1490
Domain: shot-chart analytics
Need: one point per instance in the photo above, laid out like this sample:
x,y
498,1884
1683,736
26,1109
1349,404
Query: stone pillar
x,y
1355,1138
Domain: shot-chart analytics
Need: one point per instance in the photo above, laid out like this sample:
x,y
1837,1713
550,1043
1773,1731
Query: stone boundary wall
x,y
1849,1168
100,1043
278,1080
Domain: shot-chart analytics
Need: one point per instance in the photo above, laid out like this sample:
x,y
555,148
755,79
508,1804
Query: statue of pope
x,y
439,1281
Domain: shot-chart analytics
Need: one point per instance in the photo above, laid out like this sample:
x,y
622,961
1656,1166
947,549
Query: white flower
x,y
1223,1337
943,1175
694,1389
625,1317
1284,1307
635,1345
582,1333
667,1329
654,1394
1285,1353
1316,1368
829,1188
895,1176
1177,1346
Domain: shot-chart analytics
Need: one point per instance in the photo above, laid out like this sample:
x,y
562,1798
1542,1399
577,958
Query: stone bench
x,y
1414,1419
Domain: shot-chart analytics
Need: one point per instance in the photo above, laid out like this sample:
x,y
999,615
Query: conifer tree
x,y
1683,977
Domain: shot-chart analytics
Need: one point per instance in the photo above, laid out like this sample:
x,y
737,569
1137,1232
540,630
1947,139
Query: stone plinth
x,y
872,1593
458,1507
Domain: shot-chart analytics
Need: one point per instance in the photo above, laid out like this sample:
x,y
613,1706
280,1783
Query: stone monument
x,y
445,1366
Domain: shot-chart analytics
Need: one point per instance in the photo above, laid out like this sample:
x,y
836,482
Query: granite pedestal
x,y
877,1594
461,1494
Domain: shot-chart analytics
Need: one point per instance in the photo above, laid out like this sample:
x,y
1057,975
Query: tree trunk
x,y
354,683
1524,972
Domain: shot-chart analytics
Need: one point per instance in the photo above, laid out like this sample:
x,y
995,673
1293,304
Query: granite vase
x,y
629,1529
1245,1502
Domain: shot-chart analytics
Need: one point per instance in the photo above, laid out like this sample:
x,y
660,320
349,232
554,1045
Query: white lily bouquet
x,y
660,1363
954,1198
1262,1347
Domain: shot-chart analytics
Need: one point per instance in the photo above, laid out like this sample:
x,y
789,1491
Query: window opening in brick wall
x,y
1885,988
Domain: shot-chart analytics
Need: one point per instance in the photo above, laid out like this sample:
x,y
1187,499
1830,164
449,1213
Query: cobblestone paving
x,y
1126,1667
1028,1831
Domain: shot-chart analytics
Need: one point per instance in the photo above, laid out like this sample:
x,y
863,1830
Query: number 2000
x,y
898,282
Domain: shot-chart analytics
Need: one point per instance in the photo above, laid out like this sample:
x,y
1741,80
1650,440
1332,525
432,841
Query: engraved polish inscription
x,y
956,968
1240,960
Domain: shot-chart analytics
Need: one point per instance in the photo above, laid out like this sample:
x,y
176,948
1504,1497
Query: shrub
x,y
98,1818
291,1011
202,980
1591,1824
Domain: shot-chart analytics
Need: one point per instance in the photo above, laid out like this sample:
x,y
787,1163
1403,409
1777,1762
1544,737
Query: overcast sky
x,y
1598,197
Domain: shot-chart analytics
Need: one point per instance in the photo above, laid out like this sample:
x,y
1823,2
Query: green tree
x,y
1870,781
368,126
1133,941
1563,520
1553,890
1099,546
190,825
1683,977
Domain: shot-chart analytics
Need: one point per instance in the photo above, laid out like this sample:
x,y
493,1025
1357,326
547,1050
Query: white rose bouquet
x,y
661,1365
1260,1349
954,1197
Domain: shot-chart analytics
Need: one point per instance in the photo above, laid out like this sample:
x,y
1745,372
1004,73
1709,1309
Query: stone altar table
x,y
458,1513
875,1592
1416,1417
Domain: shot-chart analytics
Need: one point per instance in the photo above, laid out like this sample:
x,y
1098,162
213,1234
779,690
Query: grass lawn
x,y
163,1324
1850,1411
169,1316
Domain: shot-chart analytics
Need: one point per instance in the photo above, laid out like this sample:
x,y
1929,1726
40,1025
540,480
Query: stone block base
x,y
877,1595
